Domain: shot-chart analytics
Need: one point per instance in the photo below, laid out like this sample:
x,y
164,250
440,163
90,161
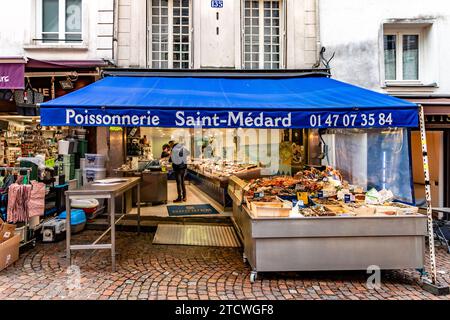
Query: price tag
x,y
303,196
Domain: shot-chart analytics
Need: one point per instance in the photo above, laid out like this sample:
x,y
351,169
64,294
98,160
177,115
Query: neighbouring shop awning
x,y
12,71
65,64
227,102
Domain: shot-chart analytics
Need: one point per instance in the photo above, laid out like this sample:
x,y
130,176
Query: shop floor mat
x,y
196,235
191,210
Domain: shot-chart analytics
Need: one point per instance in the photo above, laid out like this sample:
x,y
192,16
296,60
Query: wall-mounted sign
x,y
437,119
12,75
216,3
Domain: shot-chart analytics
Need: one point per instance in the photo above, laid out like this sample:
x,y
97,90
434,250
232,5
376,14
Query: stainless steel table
x,y
278,244
102,192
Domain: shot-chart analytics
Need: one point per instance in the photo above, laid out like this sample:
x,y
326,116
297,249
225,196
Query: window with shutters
x,y
262,34
170,34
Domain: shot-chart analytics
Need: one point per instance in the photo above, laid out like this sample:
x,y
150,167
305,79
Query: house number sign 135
x,y
216,3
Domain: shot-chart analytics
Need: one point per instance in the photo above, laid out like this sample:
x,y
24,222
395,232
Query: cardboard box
x,y
9,252
6,231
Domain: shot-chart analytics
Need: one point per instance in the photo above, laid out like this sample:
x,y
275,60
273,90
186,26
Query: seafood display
x,y
219,168
309,180
319,193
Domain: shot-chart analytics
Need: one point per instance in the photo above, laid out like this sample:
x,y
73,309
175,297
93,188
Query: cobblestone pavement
x,y
147,271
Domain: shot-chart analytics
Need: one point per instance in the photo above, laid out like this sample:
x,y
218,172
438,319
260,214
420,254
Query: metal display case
x,y
279,244
217,187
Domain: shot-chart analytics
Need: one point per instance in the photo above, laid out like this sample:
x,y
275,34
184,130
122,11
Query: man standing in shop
x,y
165,151
179,164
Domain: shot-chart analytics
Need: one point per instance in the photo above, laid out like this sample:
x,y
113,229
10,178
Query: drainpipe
x,y
115,40
318,44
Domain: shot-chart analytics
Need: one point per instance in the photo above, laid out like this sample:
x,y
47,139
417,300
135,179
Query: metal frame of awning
x,y
216,73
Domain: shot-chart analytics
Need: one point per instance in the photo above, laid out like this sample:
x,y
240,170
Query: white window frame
x,y
170,35
399,33
61,25
282,34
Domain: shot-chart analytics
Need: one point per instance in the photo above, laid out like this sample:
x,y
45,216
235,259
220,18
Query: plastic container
x,y
94,160
33,166
77,219
84,203
78,177
92,174
63,147
82,147
73,147
69,171
67,158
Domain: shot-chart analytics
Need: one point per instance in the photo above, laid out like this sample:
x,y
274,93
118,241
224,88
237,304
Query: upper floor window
x,y
170,34
262,26
60,21
402,55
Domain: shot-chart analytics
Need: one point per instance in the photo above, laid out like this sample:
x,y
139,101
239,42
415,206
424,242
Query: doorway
x,y
435,144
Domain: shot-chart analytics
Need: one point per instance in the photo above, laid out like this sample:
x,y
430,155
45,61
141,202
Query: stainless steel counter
x,y
101,192
330,243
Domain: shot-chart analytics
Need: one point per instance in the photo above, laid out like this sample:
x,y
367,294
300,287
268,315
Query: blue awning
x,y
291,102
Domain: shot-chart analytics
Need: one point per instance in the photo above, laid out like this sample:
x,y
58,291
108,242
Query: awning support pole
x,y
426,171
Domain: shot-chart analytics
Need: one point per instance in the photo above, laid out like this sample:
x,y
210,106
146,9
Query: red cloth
x,y
18,198
36,202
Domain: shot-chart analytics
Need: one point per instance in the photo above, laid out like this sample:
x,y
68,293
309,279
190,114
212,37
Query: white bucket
x,y
94,160
92,174
63,147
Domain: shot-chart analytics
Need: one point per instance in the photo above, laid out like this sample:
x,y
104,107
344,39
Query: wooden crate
x,y
271,209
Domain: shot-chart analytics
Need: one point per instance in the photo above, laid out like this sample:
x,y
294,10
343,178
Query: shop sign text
x,y
188,118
